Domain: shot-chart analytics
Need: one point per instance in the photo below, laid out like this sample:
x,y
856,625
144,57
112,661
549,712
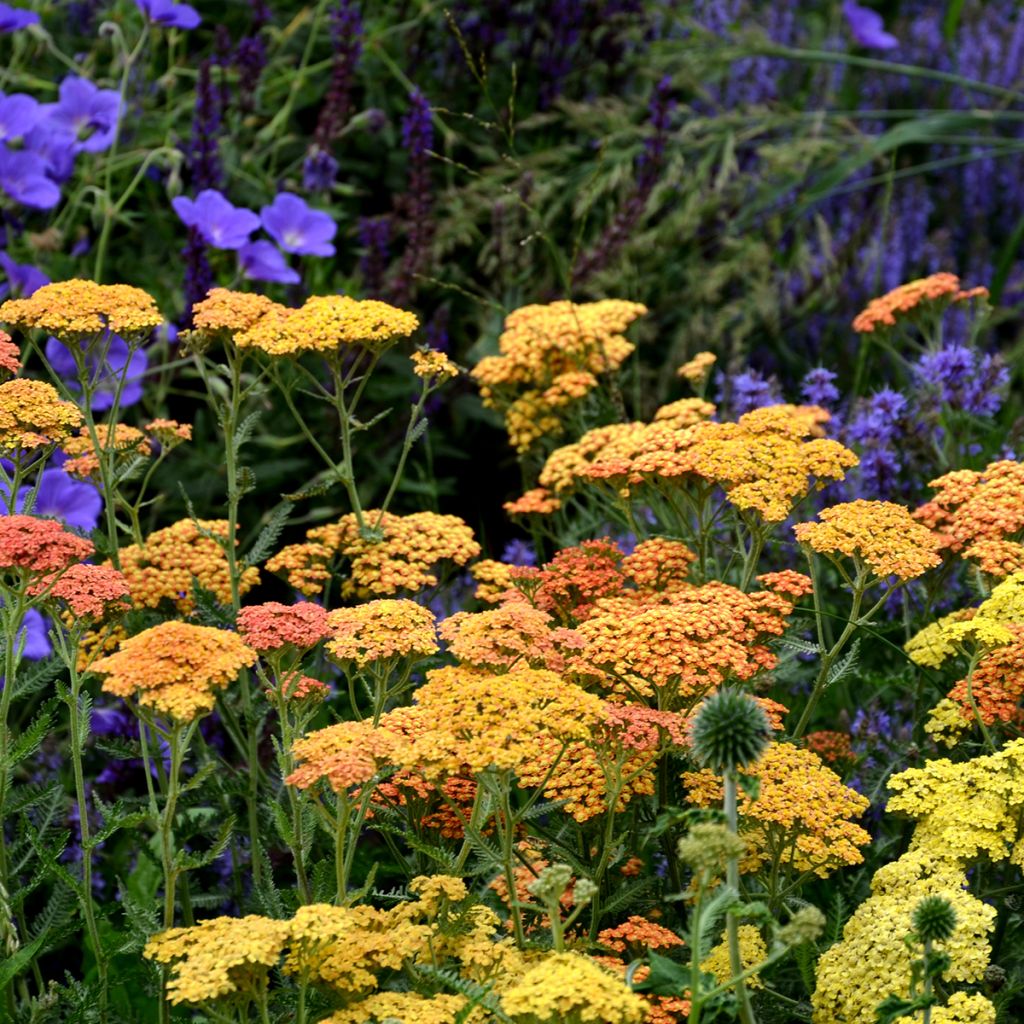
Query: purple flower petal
x,y
14,18
867,27
22,179
262,261
89,113
221,224
18,115
297,228
77,502
169,14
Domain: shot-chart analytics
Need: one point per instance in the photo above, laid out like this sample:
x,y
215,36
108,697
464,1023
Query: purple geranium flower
x,y
169,14
60,495
297,228
88,112
867,27
263,261
20,279
22,178
221,224
115,365
18,115
14,18
54,147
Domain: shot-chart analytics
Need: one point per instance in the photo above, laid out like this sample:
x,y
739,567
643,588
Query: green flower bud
x,y
934,919
731,731
707,848
583,892
549,885
804,926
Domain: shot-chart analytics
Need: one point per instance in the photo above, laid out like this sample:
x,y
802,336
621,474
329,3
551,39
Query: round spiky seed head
x,y
549,885
731,731
934,919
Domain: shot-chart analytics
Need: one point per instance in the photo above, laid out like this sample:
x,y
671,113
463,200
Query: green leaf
x,y
29,741
191,861
11,966
269,535
845,665
666,977
951,19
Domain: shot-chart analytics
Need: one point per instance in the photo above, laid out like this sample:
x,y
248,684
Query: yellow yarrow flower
x,y
752,951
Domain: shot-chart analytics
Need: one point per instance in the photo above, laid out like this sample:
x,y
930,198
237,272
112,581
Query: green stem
x,y
732,928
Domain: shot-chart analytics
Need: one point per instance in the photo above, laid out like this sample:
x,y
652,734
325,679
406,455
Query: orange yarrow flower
x,y
927,294
83,460
175,668
88,591
32,546
271,626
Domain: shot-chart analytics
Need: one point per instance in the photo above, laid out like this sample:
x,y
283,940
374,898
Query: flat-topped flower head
x,y
882,536
87,591
169,433
165,565
175,668
32,415
122,441
381,631
31,546
219,957
925,296
432,365
343,756
77,309
224,312
272,626
405,558
328,324
10,356
696,370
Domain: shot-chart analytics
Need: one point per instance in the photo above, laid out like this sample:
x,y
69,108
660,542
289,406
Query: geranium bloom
x,y
32,414
31,546
61,496
169,13
263,261
89,113
110,367
22,178
19,113
175,668
297,228
22,279
221,224
867,27
14,18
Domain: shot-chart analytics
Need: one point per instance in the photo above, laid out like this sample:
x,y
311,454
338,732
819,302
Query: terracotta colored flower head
x,y
273,626
88,591
10,356
32,546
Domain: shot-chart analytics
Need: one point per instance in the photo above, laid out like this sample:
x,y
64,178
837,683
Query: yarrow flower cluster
x,y
925,297
33,415
175,668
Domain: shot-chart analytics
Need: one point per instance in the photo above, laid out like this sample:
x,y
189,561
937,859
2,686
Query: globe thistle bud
x,y
731,730
934,919
804,926
707,848
549,885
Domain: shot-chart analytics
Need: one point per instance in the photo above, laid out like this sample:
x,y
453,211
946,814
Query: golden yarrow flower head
x,y
224,313
10,356
328,324
343,755
169,433
432,365
32,415
696,370
76,310
165,565
83,459
384,631
220,957
882,536
175,668
684,413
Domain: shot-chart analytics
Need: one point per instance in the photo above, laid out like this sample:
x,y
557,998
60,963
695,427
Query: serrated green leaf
x,y
269,535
